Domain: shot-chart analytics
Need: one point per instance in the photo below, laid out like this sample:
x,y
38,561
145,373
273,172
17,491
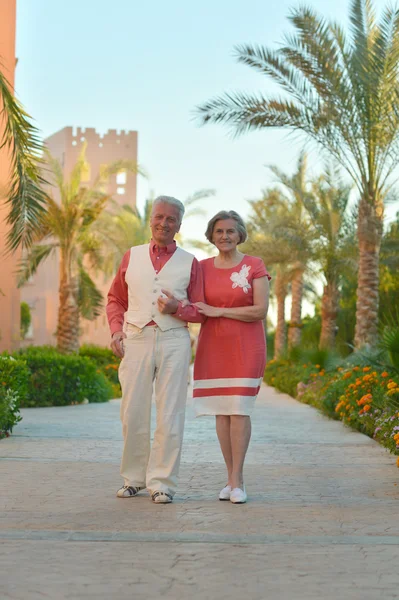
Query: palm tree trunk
x,y
294,331
281,294
329,313
369,238
68,312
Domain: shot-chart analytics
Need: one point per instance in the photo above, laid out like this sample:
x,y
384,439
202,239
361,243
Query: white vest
x,y
145,285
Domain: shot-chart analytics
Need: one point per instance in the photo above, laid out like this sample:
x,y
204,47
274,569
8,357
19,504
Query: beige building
x,y
9,294
41,293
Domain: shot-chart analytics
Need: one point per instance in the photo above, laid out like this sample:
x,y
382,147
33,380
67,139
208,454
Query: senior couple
x,y
157,290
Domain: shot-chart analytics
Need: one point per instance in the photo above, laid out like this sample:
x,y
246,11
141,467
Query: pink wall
x,y
9,295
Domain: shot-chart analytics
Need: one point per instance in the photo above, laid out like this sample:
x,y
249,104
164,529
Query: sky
x,y
145,66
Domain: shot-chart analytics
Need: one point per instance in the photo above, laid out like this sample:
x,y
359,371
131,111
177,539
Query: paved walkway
x,y
322,521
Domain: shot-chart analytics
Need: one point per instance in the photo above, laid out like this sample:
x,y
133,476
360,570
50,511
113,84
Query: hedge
x,y
59,379
14,379
106,362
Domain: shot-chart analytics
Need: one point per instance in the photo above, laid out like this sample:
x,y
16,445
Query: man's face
x,y
164,223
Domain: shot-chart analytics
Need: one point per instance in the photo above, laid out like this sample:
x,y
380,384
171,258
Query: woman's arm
x,y
249,314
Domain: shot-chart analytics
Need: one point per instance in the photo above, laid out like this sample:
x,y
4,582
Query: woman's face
x,y
225,235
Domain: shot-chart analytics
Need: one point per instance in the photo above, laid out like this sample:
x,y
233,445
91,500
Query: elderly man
x,y
147,312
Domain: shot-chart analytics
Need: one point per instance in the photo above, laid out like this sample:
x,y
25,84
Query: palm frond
x,y
199,195
29,265
26,200
90,298
342,92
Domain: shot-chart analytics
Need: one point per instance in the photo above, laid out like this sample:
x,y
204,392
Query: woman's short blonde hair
x,y
222,216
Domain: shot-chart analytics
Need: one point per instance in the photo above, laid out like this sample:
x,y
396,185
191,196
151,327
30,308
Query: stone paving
x,y
322,521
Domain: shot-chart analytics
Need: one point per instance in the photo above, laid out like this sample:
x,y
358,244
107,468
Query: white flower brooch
x,y
240,279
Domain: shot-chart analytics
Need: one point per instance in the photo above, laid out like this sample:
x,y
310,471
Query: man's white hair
x,y
173,202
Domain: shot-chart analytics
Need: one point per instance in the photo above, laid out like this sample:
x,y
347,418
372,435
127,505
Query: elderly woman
x,y
231,354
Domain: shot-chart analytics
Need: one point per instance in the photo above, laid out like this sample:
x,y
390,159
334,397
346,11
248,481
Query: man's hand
x,y
117,343
167,303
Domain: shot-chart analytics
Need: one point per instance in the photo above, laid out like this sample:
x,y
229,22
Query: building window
x,y
74,142
121,178
120,191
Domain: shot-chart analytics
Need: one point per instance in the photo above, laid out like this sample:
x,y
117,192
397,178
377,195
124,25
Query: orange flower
x,y
347,375
355,368
366,407
384,374
392,385
365,369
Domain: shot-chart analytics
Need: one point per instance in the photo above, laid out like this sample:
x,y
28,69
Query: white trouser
x,y
163,356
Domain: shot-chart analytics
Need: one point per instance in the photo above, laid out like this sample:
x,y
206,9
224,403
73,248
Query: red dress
x,y
231,355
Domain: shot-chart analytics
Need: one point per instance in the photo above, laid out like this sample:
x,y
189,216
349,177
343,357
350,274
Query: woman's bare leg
x,y
223,433
240,434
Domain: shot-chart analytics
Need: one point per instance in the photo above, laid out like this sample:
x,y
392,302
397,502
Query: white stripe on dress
x,y
224,405
205,384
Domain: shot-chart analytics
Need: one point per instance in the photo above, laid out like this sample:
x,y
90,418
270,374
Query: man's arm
x,y
117,306
188,313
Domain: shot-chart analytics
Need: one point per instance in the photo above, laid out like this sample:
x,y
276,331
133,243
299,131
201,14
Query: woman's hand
x,y
209,311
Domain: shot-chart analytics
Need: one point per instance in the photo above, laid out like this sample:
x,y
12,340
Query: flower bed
x,y
364,398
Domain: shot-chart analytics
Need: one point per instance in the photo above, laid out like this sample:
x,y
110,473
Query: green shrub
x,y
285,375
14,377
106,362
9,412
60,379
14,374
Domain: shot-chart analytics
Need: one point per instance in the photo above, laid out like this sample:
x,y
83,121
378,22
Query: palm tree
x,y
333,233
26,199
343,93
266,241
295,227
70,227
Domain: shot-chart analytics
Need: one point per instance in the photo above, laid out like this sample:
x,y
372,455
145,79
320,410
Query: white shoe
x,y
238,496
224,494
128,491
161,497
